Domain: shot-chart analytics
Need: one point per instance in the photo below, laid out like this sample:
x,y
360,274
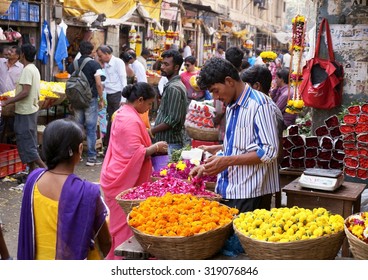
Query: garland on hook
x,y
295,103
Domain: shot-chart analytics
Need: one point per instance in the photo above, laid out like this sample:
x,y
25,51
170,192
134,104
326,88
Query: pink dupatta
x,y
125,166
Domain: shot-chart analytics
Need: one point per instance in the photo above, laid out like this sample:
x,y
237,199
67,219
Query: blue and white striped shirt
x,y
251,126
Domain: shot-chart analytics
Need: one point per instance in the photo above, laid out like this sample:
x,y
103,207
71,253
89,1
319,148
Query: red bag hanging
x,y
322,83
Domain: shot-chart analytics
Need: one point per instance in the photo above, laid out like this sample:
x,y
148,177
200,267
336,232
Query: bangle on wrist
x,y
156,147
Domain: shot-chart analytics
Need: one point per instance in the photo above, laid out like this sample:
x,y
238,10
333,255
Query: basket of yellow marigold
x,y
356,230
290,233
181,226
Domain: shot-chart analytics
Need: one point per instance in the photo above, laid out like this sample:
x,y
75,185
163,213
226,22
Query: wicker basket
x,y
62,97
153,80
210,186
358,248
126,204
215,197
200,134
61,80
196,247
322,248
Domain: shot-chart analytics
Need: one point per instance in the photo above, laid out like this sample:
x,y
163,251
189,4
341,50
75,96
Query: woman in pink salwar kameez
x,y
128,158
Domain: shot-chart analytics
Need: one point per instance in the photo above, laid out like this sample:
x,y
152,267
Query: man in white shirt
x,y
259,60
286,59
116,80
188,49
138,68
145,54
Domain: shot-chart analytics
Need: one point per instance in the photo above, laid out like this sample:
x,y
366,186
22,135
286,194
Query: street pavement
x,y
10,200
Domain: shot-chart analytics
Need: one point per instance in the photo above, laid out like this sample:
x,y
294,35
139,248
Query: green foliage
x,y
176,154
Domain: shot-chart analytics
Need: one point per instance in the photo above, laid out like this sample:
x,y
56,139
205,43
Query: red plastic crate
x,y
197,143
10,162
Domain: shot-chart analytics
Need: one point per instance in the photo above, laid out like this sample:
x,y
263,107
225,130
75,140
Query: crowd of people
x,y
250,99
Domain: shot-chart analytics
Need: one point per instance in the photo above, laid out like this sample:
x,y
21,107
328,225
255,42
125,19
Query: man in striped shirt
x,y
246,163
170,119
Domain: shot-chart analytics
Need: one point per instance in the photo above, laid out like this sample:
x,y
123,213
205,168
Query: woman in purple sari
x,y
62,216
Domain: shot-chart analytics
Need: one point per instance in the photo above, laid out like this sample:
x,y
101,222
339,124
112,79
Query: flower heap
x,y
179,215
161,187
181,170
288,224
268,56
358,225
132,37
295,104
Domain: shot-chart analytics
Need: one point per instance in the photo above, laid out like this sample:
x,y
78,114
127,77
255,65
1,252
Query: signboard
x,y
169,10
350,44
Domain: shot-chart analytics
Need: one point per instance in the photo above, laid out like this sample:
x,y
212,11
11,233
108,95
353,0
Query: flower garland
x,y
132,37
268,56
295,103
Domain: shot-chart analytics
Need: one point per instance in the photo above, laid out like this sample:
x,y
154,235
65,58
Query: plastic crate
x,y
34,13
197,143
10,162
23,10
13,11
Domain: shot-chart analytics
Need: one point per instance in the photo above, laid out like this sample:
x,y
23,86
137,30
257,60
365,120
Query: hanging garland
x,y
132,37
295,103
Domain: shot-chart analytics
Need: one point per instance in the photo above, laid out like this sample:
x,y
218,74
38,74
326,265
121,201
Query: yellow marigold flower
x,y
181,165
163,172
298,104
357,230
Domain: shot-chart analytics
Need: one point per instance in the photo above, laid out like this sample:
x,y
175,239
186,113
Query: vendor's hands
x,y
161,147
210,149
214,165
197,171
3,103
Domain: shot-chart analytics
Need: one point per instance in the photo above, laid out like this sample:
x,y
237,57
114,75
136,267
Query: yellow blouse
x,y
46,216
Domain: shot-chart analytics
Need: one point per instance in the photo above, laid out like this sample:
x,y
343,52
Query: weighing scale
x,y
321,179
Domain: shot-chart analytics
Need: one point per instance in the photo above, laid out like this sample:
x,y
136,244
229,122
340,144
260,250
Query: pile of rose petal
x,y
168,184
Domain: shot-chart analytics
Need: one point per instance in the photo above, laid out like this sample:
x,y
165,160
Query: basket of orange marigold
x,y
181,226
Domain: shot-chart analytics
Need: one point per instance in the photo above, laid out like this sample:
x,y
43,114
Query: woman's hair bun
x,y
127,91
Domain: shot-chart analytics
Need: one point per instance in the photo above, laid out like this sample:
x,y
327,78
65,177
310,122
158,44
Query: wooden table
x,y
286,177
131,250
344,201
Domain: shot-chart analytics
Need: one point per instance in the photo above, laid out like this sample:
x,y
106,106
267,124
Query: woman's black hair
x,y
284,75
29,52
134,91
258,74
126,56
191,59
215,71
61,140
